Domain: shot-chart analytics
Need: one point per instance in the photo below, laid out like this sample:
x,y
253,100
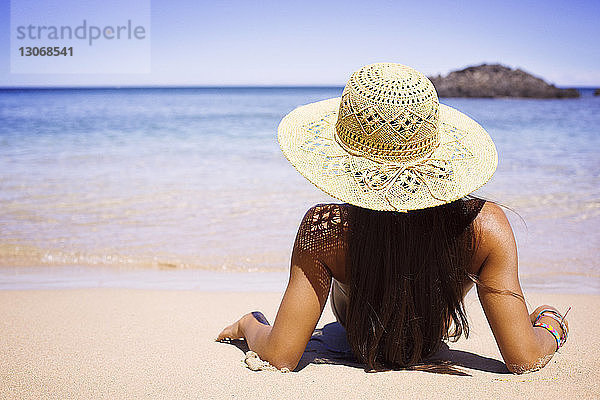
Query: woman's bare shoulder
x,y
494,234
492,221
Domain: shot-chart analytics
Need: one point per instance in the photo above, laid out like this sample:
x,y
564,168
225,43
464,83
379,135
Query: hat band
x,y
415,150
407,177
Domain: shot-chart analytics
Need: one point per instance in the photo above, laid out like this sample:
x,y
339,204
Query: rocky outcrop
x,y
597,92
497,80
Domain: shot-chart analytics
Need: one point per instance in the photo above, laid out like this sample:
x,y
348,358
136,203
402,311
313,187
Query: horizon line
x,y
92,87
106,87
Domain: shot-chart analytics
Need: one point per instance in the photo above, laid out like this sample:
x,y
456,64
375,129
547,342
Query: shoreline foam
x,y
85,277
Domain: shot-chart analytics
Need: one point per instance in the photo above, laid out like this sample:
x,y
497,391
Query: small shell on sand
x,y
254,362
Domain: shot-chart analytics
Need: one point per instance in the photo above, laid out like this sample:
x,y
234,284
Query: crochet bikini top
x,y
322,237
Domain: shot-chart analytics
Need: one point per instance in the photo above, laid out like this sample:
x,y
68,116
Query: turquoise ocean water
x,y
193,180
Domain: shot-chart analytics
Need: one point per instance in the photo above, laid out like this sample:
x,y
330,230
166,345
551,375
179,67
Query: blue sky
x,y
321,42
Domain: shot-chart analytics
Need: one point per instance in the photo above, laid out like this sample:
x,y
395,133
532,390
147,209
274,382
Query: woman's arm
x,y
283,344
523,346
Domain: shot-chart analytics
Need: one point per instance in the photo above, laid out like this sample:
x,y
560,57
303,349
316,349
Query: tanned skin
x,y
523,347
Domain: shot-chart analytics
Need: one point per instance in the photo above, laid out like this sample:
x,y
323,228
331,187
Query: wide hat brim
x,y
464,160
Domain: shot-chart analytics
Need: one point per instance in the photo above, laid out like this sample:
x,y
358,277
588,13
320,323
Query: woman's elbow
x,y
527,363
284,364
283,360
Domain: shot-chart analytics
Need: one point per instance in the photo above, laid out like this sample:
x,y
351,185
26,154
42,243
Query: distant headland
x,y
496,80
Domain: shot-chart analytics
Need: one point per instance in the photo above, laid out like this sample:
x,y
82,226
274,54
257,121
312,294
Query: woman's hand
x,y
236,330
232,331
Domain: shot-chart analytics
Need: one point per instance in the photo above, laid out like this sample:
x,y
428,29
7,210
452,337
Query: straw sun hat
x,y
387,143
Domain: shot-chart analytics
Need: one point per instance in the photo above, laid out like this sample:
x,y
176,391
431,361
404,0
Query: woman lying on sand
x,y
407,245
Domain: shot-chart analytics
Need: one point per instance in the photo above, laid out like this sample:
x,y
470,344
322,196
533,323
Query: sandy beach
x,y
154,158
124,343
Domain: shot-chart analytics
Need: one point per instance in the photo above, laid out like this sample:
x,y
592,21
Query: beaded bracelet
x,y
558,318
550,329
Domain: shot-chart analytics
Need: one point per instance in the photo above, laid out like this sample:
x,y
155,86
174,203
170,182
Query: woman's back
x,y
394,273
326,230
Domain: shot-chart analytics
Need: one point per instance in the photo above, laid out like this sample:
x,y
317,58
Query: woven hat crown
x,y
388,112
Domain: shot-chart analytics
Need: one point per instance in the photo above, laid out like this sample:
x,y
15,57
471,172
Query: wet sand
x,y
128,343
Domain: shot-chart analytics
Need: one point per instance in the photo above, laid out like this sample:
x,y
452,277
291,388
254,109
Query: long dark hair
x,y
407,276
